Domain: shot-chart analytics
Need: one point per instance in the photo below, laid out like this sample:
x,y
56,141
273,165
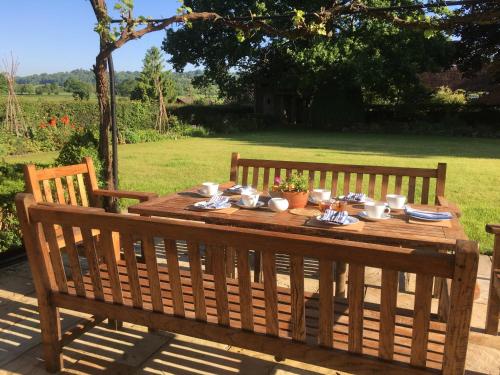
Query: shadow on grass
x,y
407,145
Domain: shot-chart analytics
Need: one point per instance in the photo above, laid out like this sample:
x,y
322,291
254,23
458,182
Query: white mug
x,y
209,188
278,204
396,201
376,209
319,195
250,198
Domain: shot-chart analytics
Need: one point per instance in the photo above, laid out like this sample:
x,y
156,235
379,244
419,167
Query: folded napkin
x,y
358,197
217,201
337,217
419,214
238,188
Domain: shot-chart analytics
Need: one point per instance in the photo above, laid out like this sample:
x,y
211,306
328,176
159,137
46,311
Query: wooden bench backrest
x,y
121,231
420,185
72,184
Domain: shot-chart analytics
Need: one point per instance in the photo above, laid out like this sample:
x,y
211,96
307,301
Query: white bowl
x,y
278,204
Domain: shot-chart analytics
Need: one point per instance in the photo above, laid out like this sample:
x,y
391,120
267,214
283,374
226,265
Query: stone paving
x,y
132,350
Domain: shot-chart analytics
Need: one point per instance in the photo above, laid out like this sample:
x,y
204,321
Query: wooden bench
x,y
420,185
348,334
493,310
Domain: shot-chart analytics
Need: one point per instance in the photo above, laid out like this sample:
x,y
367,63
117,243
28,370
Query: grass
x,y
473,176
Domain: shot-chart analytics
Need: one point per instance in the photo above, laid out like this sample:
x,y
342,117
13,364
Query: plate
x,y
200,206
341,197
350,220
240,204
199,192
425,219
237,191
365,216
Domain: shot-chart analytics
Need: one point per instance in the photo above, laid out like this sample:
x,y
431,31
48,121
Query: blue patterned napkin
x,y
427,215
332,216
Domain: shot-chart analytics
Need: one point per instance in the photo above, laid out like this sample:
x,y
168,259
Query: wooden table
x,y
395,231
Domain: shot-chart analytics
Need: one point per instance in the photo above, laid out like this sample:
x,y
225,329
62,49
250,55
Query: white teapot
x,y
278,204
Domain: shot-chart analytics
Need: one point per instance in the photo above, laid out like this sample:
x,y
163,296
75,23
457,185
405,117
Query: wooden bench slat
x,y
411,189
322,179
398,184
149,251
371,185
55,257
359,182
270,292
174,276
385,183
255,178
347,182
310,177
244,179
388,300
326,302
47,191
219,269
131,263
422,312
74,263
109,246
82,190
335,180
298,320
355,295
425,190
245,290
197,280
71,191
265,183
90,250
60,191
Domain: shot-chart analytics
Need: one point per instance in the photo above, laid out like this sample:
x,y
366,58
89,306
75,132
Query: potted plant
x,y
293,189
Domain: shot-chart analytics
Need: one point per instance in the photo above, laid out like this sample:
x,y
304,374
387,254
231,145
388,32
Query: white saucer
x,y
341,197
396,209
240,204
200,205
199,192
365,216
350,220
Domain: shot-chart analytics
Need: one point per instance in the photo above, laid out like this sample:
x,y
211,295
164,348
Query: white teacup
x,y
396,201
376,209
209,188
250,197
320,195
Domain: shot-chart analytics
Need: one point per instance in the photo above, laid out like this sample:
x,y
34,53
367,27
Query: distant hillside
x,y
88,76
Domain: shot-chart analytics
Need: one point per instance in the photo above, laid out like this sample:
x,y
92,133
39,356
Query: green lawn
x,y
473,179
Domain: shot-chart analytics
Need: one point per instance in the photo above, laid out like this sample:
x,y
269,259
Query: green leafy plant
x,y
445,95
296,182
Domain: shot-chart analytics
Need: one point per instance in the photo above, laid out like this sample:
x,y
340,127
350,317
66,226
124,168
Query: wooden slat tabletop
x,y
397,230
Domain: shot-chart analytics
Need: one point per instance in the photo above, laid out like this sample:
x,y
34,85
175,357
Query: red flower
x,y
42,125
53,121
65,119
73,126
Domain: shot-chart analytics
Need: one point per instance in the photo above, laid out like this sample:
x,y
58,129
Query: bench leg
x,y
257,270
444,300
404,282
50,324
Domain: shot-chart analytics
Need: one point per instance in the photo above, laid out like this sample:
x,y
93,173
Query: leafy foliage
x,y
11,182
445,95
79,89
296,182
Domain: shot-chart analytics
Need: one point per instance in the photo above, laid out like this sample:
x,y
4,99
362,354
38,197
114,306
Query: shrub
x,y
11,182
80,145
445,95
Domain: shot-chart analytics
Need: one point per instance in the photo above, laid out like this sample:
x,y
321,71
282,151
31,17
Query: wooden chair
x,y
375,181
493,310
75,185
288,322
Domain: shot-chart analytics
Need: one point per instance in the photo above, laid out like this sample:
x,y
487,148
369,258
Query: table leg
x,y
257,267
208,260
230,262
340,279
404,282
444,300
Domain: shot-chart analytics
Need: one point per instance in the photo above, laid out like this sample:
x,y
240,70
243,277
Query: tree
x,y
79,89
151,76
3,85
479,43
26,89
247,18
125,87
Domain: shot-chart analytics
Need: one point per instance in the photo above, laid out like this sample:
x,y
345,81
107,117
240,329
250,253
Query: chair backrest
x,y
185,290
420,185
71,184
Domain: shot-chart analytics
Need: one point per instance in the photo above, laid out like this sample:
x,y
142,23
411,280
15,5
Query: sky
x,y
49,36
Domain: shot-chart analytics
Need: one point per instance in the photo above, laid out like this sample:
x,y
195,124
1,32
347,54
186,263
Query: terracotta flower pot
x,y
296,199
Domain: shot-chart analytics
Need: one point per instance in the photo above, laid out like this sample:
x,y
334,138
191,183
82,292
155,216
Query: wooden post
x,y
31,180
43,279
91,181
440,181
233,175
493,311
461,301
340,279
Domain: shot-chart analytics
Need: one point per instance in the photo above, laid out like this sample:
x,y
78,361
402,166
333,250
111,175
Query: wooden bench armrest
x,y
92,209
443,202
142,196
493,228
